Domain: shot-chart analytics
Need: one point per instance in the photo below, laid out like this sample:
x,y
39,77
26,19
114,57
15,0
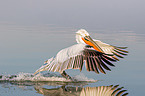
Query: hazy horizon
x,y
92,14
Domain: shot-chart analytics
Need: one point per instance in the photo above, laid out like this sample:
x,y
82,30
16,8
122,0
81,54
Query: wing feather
x,y
78,61
106,61
118,48
74,65
95,67
81,62
117,51
91,64
99,66
109,49
87,64
69,63
102,63
73,62
117,55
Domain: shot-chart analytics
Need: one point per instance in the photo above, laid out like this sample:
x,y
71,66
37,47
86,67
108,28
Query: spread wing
x,y
114,50
75,56
68,58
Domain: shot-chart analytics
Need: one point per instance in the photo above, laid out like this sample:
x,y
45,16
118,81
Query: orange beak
x,y
88,40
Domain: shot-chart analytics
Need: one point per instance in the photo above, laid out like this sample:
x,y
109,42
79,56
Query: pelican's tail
x,y
44,67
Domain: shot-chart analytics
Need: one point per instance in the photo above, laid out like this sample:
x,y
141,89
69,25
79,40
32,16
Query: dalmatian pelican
x,y
96,56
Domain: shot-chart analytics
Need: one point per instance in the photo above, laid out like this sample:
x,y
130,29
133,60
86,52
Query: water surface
x,y
25,48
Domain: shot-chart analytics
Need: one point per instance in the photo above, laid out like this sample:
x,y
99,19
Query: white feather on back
x,y
72,51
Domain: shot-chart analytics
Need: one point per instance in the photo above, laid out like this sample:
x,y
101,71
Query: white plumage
x,y
95,54
60,62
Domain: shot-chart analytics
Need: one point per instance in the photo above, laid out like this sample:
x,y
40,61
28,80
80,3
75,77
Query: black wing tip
x,y
125,94
103,72
110,59
121,49
120,52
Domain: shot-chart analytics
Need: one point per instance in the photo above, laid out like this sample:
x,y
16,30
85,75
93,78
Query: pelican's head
x,y
82,36
82,33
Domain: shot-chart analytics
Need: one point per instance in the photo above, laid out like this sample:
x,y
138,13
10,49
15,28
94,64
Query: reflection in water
x,y
61,91
103,91
58,86
72,89
78,91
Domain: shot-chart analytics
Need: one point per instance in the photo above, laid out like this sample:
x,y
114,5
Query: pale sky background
x,y
105,14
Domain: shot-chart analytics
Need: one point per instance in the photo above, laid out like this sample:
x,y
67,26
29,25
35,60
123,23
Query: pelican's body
x,y
95,54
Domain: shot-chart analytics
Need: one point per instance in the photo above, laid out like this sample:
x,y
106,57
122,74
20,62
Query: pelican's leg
x,y
65,75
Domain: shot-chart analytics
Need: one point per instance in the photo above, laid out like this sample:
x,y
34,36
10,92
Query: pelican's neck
x,y
79,39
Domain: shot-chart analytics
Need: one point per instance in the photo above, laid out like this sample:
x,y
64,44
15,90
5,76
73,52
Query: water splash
x,y
43,77
82,77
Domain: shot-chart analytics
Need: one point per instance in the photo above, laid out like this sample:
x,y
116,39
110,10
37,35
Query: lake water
x,y
31,31
23,49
